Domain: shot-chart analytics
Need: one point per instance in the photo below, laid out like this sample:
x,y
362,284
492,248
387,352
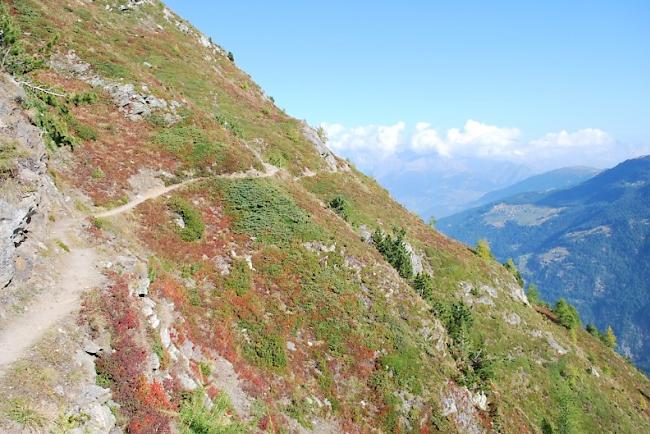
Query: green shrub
x,y
478,368
85,132
333,332
405,365
457,319
263,210
423,285
483,249
229,124
239,279
340,206
98,222
191,143
475,365
13,57
511,267
593,330
57,131
533,294
205,369
63,246
83,98
263,348
231,56
277,158
194,225
97,173
196,418
567,315
54,118
393,248
609,338
299,409
19,411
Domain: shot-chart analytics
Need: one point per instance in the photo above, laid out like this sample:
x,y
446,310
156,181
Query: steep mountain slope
x,y
588,244
558,179
242,288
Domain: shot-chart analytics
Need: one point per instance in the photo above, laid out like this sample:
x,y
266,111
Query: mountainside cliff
x,y
195,260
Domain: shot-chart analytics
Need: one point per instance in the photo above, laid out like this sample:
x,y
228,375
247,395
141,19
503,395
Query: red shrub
x,y
143,403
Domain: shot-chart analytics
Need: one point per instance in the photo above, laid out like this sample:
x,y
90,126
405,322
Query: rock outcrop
x,y
22,174
133,103
331,162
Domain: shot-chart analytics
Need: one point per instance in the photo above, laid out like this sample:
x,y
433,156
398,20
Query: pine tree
x,y
533,294
609,338
483,249
423,285
567,314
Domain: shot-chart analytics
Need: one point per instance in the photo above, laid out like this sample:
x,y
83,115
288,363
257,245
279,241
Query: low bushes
x,y
197,418
263,210
239,279
476,366
192,144
393,248
265,349
192,220
340,206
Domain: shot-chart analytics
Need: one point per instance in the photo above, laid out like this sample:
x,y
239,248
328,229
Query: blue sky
x,y
532,70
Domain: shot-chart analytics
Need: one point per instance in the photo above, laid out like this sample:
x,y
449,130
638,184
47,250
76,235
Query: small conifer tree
x,y
483,249
609,338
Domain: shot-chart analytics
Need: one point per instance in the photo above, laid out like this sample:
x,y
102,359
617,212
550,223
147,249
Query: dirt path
x,y
269,170
78,272
140,198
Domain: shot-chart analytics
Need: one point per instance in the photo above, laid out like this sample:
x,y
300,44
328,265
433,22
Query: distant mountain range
x,y
441,187
565,177
588,243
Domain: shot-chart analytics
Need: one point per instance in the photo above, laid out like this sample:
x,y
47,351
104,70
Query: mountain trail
x,y
78,271
269,170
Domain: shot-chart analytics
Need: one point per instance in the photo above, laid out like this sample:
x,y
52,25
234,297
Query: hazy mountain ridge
x,y
588,243
558,179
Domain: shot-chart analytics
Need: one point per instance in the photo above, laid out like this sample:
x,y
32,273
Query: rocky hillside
x,y
180,255
588,244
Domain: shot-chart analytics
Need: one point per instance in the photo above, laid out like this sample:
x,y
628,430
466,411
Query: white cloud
x,y
384,139
586,137
477,133
426,139
387,147
475,138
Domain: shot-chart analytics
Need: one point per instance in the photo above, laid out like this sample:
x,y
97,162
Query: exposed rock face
x,y
131,4
416,260
512,318
135,105
21,187
517,293
461,406
365,234
331,162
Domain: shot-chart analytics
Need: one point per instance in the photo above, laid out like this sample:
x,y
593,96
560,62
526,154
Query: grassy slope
x,y
367,327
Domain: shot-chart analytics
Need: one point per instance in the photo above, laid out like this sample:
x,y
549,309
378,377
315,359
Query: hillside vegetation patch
x,y
264,210
194,226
